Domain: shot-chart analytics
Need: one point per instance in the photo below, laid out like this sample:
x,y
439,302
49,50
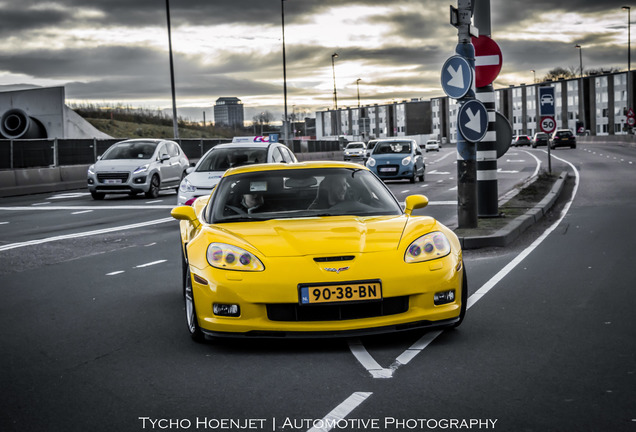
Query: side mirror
x,y
189,169
164,157
185,213
415,202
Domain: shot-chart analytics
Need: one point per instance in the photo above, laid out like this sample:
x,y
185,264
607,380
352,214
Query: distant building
x,y
228,111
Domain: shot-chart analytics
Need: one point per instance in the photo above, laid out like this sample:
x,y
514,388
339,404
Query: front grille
x,y
334,258
123,176
337,312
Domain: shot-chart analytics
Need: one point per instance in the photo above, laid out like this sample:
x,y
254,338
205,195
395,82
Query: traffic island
x,y
518,211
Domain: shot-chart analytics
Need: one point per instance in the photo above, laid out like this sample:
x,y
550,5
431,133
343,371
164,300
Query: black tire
x,y
464,299
155,184
413,179
98,195
190,307
423,173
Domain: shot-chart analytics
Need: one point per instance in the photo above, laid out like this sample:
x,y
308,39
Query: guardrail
x,y
34,153
38,166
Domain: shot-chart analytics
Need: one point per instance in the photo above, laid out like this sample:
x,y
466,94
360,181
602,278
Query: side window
x,y
277,157
163,150
173,150
289,154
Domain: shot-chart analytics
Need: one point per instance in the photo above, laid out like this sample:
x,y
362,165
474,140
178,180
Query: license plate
x,y
343,292
112,181
389,169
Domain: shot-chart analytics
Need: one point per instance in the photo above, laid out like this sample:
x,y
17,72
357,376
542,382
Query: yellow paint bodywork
x,y
287,248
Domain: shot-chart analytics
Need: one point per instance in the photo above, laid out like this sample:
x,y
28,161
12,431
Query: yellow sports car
x,y
315,249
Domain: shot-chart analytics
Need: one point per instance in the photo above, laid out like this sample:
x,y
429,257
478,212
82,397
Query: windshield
x,y
355,145
221,159
390,147
300,193
131,150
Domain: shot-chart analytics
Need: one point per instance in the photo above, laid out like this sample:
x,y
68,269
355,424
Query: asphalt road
x,y
93,333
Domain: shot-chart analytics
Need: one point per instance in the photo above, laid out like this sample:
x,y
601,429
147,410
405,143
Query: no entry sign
x,y
488,60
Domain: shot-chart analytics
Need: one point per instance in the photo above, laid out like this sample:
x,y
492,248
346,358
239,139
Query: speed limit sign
x,y
548,125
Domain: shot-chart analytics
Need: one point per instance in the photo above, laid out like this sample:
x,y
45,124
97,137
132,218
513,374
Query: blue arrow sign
x,y
457,77
472,120
547,102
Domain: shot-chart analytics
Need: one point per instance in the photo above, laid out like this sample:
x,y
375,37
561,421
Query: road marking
x,y
84,234
340,412
377,371
115,273
150,264
83,211
438,172
39,204
3,223
124,207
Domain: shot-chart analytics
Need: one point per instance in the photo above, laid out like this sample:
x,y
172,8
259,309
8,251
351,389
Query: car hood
x,y
327,236
120,164
205,179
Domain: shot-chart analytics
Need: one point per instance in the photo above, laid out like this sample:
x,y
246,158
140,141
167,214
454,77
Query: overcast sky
x,y
116,51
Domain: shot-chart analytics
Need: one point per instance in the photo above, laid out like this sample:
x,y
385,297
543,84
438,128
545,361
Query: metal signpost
x,y
547,111
488,63
458,83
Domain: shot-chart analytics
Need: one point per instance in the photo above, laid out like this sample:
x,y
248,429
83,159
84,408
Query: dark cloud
x,y
111,71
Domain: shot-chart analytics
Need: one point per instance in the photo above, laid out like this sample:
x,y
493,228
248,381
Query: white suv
x,y
138,165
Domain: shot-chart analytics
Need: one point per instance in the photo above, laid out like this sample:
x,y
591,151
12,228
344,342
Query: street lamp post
x,y
335,92
580,59
285,127
629,55
534,76
175,123
358,86
333,68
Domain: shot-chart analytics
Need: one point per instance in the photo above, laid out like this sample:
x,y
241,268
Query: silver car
x,y
138,165
208,171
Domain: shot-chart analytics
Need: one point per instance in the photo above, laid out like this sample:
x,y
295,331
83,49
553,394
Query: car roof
x,y
292,166
244,145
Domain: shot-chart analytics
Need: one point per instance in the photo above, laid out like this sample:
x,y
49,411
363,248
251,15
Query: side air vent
x,y
334,258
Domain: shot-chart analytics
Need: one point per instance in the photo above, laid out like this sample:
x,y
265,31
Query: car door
x,y
419,160
168,165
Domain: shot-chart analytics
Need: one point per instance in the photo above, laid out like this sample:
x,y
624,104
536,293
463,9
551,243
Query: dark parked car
x,y
539,139
562,138
521,140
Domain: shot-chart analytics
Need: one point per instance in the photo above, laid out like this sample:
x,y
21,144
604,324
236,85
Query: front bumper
x,y
118,182
259,293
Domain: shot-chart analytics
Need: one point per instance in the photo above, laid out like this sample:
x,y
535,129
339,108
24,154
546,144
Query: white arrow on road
x,y
474,121
457,76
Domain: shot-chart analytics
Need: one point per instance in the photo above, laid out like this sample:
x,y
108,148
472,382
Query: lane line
x,y
124,207
368,362
150,263
85,234
340,412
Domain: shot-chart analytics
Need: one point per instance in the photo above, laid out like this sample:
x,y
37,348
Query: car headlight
x,y
140,169
186,186
91,169
406,161
370,162
228,257
428,247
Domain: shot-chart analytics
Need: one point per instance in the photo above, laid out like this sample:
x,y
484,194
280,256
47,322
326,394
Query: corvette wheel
x,y
153,191
190,308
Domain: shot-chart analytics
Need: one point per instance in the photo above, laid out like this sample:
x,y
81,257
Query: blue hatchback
x,y
396,159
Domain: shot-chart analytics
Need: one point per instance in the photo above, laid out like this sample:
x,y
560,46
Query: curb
x,y
520,224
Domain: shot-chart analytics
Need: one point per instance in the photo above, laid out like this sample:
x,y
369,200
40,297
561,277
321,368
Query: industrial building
x,y
590,105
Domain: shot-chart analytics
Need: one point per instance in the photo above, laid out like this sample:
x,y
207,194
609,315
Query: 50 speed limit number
x,y
548,125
